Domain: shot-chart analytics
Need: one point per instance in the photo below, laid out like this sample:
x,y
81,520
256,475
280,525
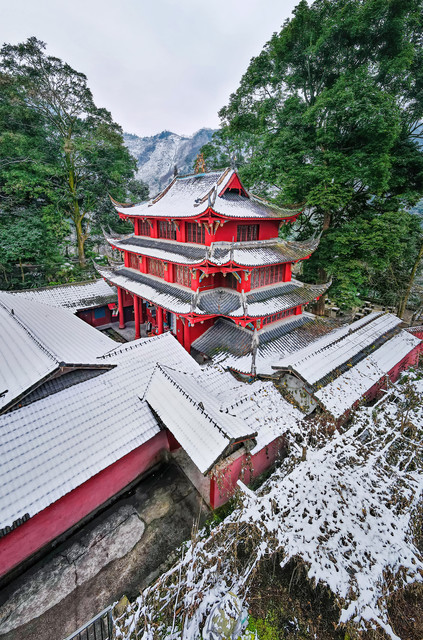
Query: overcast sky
x,y
155,64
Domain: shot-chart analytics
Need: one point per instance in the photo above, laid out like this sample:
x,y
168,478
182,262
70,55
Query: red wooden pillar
x,y
142,312
287,274
120,305
159,319
187,342
179,330
137,317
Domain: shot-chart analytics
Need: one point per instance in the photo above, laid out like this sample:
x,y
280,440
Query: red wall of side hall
x,y
240,468
63,514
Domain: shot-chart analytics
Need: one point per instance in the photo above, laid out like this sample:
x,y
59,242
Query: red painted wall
x,y
410,360
63,514
240,468
198,329
267,229
88,316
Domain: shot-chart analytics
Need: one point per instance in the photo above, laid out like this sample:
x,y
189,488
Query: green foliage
x,y
266,628
60,154
330,113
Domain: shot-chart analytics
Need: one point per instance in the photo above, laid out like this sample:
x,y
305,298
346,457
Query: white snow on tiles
x,y
36,339
326,354
50,447
73,296
187,197
341,394
194,424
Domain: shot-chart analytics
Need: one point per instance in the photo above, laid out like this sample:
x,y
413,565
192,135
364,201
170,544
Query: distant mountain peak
x,y
157,155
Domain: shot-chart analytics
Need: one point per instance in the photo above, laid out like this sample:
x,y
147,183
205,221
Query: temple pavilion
x,y
203,250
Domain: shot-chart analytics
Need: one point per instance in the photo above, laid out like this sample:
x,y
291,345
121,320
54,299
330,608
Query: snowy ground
x,y
346,510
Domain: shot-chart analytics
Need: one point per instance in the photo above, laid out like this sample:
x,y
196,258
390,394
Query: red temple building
x,y
204,249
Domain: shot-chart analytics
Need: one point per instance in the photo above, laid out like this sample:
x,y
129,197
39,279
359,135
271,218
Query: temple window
x,y
167,230
247,232
183,275
278,316
144,228
133,261
195,233
267,275
155,267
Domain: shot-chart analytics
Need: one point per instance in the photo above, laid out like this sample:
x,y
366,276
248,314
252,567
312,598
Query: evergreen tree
x,y
332,109
90,157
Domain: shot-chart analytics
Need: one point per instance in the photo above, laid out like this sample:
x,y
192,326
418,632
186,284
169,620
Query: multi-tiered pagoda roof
x,y
203,249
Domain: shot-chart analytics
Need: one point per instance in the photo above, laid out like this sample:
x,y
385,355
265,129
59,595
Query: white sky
x,y
163,64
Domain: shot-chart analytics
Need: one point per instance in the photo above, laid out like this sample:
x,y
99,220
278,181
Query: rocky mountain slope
x,y
157,155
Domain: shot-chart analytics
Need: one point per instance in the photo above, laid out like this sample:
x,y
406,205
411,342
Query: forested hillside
x,y
60,157
328,117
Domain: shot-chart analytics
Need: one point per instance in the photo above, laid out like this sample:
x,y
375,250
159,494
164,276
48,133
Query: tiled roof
x,y
188,196
219,301
329,353
193,416
50,447
248,254
340,395
36,340
230,345
75,296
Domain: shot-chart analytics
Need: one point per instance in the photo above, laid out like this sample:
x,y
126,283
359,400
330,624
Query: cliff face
x,y
157,155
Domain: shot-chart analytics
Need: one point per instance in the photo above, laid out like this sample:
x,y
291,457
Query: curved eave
x,y
215,302
257,255
208,213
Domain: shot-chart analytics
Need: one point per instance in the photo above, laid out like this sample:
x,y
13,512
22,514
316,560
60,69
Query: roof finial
x,y
200,164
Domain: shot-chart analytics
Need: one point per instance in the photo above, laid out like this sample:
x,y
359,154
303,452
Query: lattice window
x,y
144,228
267,275
155,267
278,316
167,230
133,261
195,233
247,232
183,275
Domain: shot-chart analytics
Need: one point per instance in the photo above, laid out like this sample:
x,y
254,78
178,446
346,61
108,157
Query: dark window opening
x,y
167,230
267,275
183,275
195,232
278,316
155,267
144,228
133,261
247,232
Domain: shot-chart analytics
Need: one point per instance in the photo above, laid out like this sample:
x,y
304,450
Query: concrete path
x,y
119,552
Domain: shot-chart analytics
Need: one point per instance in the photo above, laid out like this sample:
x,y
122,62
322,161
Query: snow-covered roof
x,y
244,254
75,296
230,345
342,393
220,301
51,446
327,354
193,416
36,340
192,195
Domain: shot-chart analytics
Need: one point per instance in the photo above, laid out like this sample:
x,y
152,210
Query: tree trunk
x,y
76,213
403,304
323,276
80,239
